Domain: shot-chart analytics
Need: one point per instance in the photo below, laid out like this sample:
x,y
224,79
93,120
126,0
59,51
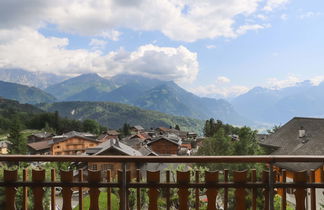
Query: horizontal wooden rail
x,y
164,159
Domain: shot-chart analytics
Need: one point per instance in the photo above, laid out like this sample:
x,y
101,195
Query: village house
x,y
4,147
110,134
165,145
39,148
42,136
299,136
137,129
72,143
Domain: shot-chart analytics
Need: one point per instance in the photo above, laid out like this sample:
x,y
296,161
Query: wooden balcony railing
x,y
187,185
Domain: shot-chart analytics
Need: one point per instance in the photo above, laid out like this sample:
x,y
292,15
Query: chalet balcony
x,y
165,189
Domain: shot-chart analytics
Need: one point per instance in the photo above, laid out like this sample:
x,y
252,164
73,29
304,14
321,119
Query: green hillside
x,y
114,115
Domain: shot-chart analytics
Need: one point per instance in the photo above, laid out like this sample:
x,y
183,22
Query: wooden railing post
x,y
10,192
93,178
284,190
271,186
300,193
123,179
67,177
53,191
108,190
25,190
225,189
38,177
254,190
211,193
197,201
313,190
80,190
153,177
183,193
240,177
265,180
167,193
138,190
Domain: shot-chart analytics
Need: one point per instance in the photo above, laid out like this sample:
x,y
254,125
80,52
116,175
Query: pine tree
x,y
19,144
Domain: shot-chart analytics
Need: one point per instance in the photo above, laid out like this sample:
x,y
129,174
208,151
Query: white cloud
x,y
284,17
317,80
222,79
211,46
310,15
275,83
216,90
97,44
28,49
244,28
273,4
179,20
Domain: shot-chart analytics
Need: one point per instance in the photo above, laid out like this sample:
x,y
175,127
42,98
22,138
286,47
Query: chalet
x,y
113,147
137,129
135,143
39,148
110,134
165,145
4,147
299,136
72,143
43,136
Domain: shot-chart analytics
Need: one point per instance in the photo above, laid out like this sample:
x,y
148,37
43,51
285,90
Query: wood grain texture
x,y
94,177
265,179
183,192
300,193
211,193
66,177
10,192
153,177
240,193
120,177
38,176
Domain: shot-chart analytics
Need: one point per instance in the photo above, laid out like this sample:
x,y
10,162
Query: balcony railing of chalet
x,y
216,185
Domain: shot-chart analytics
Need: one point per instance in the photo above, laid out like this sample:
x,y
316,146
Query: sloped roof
x,y
42,135
146,151
113,144
72,134
40,145
171,138
287,141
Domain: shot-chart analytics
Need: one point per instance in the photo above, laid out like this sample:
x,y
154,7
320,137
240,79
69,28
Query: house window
x,y
93,167
105,167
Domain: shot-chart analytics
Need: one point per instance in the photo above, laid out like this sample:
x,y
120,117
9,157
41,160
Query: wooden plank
x,y
25,190
153,177
167,190
225,189
183,192
313,190
94,177
138,190
66,177
265,179
120,177
254,190
53,179
80,190
300,193
37,177
197,201
284,190
10,192
211,178
108,190
240,193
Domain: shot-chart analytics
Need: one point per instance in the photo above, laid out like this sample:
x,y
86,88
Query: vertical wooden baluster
x,y
197,202
265,180
94,178
167,193
300,193
10,192
284,191
183,193
138,190
153,177
53,178
25,190
211,178
313,190
66,177
225,189
254,190
38,177
108,190
240,177
120,177
80,190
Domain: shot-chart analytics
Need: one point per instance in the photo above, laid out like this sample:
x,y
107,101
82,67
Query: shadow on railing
x,y
222,189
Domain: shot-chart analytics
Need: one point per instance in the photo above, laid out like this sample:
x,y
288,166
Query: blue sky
x,y
212,48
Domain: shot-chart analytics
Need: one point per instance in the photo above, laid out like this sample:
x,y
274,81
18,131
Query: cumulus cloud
x,y
213,90
273,4
97,44
309,15
28,49
275,83
222,79
179,20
